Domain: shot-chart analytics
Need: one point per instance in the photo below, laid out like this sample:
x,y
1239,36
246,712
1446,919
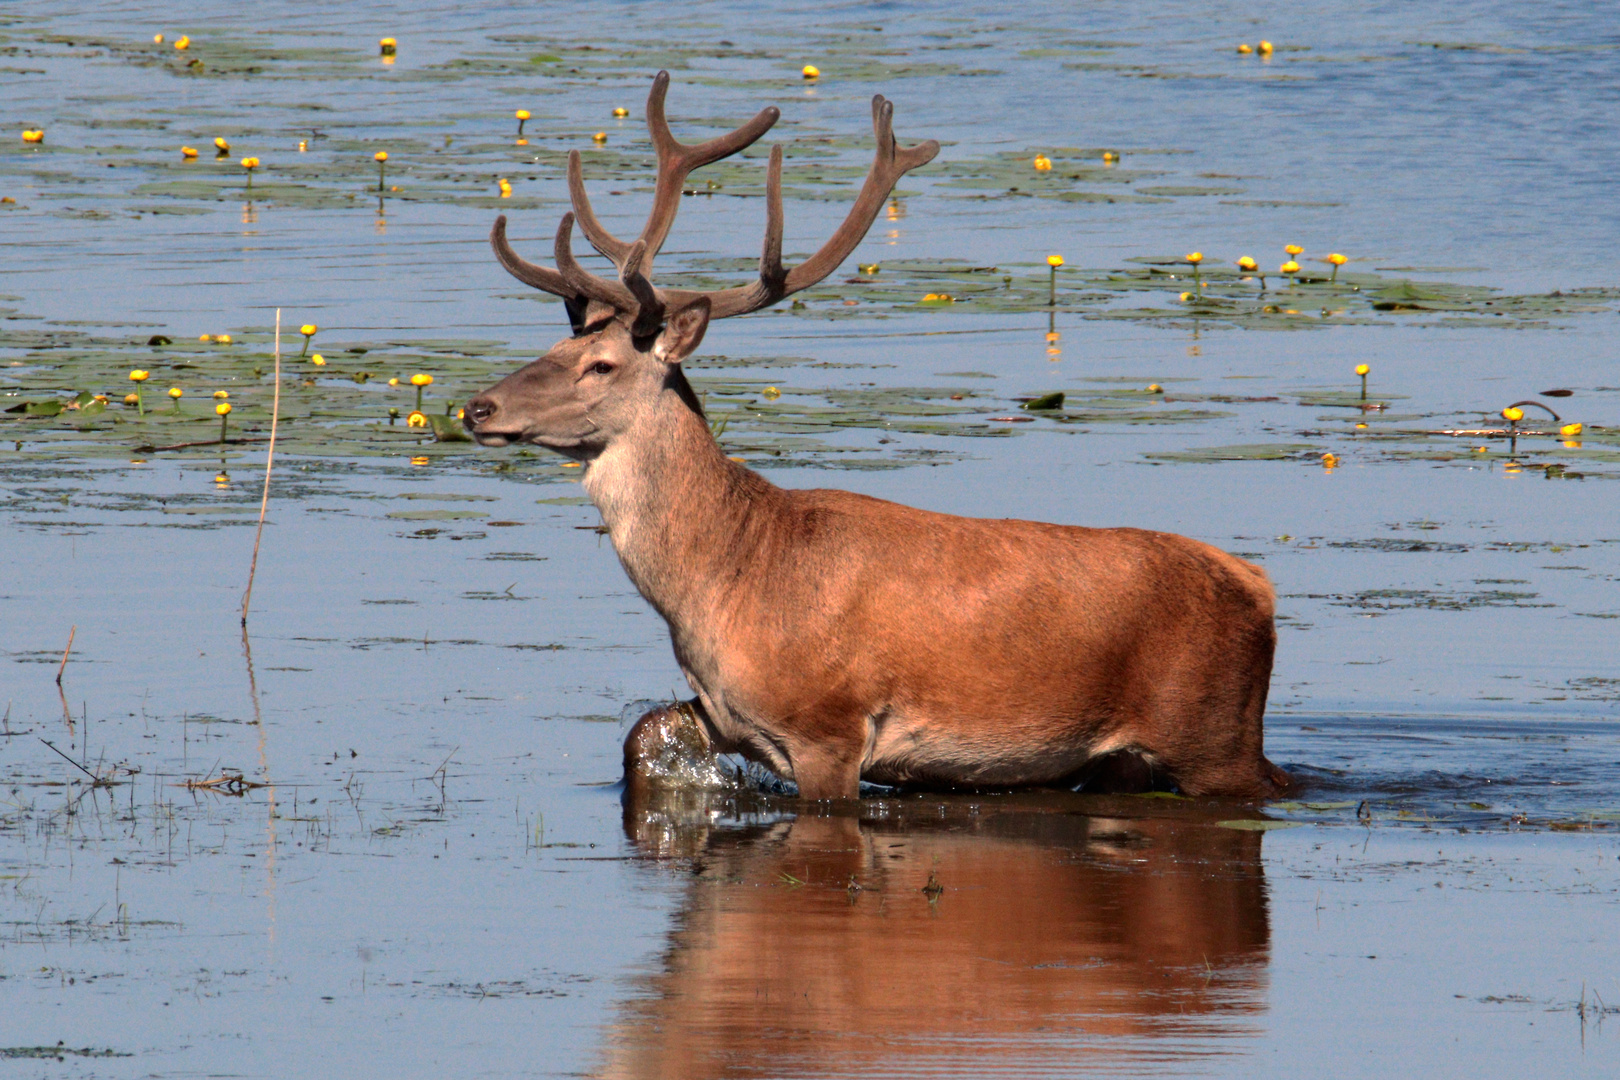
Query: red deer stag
x,y
833,637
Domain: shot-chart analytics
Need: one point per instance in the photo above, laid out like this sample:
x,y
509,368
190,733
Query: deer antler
x,y
633,297
675,162
888,165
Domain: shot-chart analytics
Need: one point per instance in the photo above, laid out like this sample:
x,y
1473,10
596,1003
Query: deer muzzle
x,y
477,418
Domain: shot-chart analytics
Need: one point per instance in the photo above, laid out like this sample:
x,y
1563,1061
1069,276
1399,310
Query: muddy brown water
x,y
411,854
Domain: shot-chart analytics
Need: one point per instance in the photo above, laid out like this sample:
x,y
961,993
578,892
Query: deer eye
x,y
601,368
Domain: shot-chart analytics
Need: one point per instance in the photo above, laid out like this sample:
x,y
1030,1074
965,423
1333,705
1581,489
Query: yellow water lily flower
x,y
380,156
1245,49
599,138
770,393
522,114
1154,388
810,71
1042,163
1362,370
388,46
303,145
1329,460
221,144
132,399
250,163
157,39
1109,157
1195,257
416,419
506,188
221,395
175,392
421,380
393,381
1292,249
621,112
36,135
222,409
183,42
309,329
1513,414
188,152
222,339
1246,263
1289,267
318,360
1336,259
139,375
1571,430
1054,260
1265,48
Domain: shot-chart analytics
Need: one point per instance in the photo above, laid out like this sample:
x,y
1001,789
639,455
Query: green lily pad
x,y
434,515
1241,452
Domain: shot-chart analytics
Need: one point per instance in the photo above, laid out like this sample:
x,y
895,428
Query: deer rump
x,y
832,637
901,646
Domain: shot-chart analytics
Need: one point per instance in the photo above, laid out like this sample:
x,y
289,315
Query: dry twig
x,y
269,459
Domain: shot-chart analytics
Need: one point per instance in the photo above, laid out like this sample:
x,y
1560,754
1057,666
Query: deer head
x,y
630,336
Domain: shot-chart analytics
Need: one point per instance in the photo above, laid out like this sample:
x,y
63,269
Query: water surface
x,y
428,866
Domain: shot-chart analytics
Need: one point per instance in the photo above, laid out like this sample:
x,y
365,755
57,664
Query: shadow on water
x,y
1035,931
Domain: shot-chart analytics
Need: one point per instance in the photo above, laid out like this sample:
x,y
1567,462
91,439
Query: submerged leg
x,y
827,770
673,744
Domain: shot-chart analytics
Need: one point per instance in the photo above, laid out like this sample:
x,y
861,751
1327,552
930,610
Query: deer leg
x,y
827,769
683,723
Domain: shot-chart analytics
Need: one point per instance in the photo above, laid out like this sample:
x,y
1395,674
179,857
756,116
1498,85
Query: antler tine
x,y
676,160
582,280
771,284
600,238
770,259
889,164
539,277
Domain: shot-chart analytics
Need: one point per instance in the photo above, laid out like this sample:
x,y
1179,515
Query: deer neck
x,y
674,505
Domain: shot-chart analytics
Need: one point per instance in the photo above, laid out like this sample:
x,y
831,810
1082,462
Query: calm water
x,y
440,874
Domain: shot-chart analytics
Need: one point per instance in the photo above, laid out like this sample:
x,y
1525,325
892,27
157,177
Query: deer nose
x,y
479,409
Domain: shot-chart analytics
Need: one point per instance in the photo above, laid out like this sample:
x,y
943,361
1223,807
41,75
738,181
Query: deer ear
x,y
683,332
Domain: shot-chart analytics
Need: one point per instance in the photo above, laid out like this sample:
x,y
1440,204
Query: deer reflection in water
x,y
1073,931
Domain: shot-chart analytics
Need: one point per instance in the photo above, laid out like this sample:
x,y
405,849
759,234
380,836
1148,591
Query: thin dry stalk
x,y
269,460
63,665
95,780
